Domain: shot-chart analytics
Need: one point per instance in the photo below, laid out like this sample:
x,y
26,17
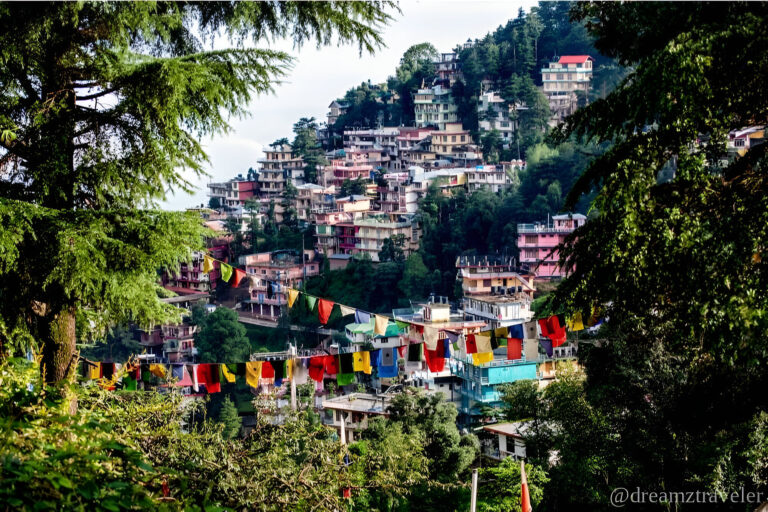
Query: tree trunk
x,y
58,338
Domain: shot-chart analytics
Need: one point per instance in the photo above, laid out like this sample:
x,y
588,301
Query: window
x,y
486,282
453,138
560,76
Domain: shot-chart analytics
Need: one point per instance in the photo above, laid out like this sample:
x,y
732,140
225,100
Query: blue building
x,y
480,383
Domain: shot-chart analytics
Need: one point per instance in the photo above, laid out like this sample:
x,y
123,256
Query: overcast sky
x,y
319,76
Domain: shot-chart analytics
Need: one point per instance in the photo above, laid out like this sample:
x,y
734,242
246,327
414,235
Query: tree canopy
x,y
101,109
675,258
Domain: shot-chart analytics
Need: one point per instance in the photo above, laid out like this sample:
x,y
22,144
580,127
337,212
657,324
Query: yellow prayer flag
x,y
575,322
289,369
362,362
482,357
292,296
229,377
207,263
253,373
95,372
158,370
380,325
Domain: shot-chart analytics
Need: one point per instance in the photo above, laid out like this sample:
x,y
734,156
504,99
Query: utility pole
x,y
473,502
292,351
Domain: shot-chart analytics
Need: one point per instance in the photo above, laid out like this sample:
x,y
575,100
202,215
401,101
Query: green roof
x,y
392,329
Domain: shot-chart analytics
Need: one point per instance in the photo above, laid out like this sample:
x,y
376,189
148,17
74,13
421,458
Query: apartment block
x,y
233,193
537,243
279,165
434,106
285,269
562,80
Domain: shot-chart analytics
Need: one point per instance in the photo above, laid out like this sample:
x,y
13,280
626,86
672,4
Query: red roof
x,y
574,59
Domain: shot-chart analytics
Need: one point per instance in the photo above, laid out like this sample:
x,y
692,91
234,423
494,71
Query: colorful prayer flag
x,y
226,272
346,310
239,276
310,302
253,373
324,309
380,325
207,263
292,296
575,323
482,358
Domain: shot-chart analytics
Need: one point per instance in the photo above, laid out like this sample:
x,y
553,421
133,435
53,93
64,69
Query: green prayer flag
x,y
226,272
342,379
310,302
401,324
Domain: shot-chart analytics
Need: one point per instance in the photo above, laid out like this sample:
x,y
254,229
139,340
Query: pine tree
x,y
102,105
230,419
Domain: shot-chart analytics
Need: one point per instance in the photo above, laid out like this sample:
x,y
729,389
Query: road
x,y
253,320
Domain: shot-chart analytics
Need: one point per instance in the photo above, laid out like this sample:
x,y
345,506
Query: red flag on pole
x,y
525,496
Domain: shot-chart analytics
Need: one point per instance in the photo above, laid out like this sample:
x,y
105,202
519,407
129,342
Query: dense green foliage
x,y
677,388
501,487
221,338
306,145
229,417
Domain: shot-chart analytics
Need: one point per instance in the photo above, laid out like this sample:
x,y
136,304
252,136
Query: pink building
x,y
350,169
537,241
267,270
190,278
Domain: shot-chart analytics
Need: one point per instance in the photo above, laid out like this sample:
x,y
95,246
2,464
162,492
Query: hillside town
x,y
520,270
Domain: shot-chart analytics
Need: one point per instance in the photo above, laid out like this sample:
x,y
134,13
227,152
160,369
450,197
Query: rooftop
x,y
515,429
574,59
360,402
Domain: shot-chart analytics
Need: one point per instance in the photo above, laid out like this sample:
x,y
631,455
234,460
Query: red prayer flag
x,y
317,368
544,324
331,365
267,371
471,344
208,374
324,308
239,275
436,358
514,348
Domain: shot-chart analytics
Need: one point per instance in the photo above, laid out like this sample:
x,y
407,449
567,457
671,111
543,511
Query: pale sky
x,y
320,76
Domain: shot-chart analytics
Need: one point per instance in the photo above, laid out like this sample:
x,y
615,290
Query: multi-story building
x,y
562,80
279,165
494,114
496,290
352,167
173,342
311,197
492,177
454,144
480,383
283,269
335,110
436,314
371,231
434,106
233,193
190,277
537,243
381,140
447,67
